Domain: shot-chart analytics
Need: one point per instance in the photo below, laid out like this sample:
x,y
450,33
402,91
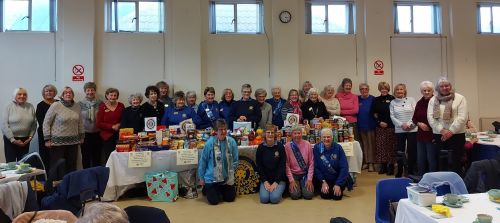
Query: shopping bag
x,y
187,184
162,186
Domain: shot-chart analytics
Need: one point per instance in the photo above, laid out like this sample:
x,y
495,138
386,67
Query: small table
x,y
409,212
11,175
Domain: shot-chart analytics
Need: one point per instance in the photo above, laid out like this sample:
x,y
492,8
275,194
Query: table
x,y
479,204
11,175
122,178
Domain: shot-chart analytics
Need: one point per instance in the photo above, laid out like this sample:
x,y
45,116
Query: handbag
x,y
162,186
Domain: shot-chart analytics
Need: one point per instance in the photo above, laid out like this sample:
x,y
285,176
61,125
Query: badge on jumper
x,y
387,101
218,158
206,109
184,115
334,156
175,113
250,108
221,110
276,154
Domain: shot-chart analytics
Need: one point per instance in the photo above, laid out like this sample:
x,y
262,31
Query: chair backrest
x,y
435,179
144,214
35,160
389,190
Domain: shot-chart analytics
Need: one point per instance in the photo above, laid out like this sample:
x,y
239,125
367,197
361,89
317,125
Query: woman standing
x,y
447,115
133,116
385,137
427,154
313,108
401,110
19,126
246,109
276,103
91,153
349,105
49,92
227,100
332,104
191,100
153,107
180,112
63,130
292,105
208,110
108,121
366,126
265,108
271,159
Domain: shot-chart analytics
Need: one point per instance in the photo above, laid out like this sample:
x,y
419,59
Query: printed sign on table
x,y
348,148
139,159
187,156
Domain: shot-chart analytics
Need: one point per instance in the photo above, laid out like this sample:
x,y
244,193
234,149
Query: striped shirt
x,y
402,110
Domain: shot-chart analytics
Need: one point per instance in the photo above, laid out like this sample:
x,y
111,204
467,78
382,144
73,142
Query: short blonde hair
x,y
65,88
50,87
400,85
222,98
384,85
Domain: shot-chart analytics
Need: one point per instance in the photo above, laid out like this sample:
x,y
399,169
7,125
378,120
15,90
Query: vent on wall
x,y
485,123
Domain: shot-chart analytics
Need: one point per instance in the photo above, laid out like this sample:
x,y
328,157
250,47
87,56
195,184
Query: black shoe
x,y
390,169
383,168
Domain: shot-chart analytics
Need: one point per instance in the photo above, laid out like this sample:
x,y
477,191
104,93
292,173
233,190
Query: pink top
x,y
292,166
349,106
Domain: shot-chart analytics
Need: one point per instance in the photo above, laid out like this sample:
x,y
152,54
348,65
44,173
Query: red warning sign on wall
x,y
78,73
379,67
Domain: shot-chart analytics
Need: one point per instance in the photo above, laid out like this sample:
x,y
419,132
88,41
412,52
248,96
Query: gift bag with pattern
x,y
162,186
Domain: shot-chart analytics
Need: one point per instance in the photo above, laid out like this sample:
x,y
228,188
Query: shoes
x,y
390,169
371,167
365,166
383,168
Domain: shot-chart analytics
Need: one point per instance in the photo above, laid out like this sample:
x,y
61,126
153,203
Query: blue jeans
x,y
273,197
427,157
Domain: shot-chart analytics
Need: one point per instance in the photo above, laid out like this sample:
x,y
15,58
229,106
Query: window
x,y
236,17
416,18
134,16
489,18
28,15
329,17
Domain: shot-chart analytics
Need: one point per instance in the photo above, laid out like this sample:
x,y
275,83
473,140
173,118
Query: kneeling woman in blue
x,y
180,112
217,164
271,160
331,170
208,110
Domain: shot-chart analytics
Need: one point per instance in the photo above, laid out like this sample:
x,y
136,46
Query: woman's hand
x,y
336,190
405,127
383,125
267,186
18,142
116,127
324,188
202,183
48,144
446,134
293,187
423,126
273,186
242,119
309,185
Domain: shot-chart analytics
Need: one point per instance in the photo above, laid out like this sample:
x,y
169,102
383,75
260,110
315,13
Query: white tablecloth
x,y
11,175
356,160
479,204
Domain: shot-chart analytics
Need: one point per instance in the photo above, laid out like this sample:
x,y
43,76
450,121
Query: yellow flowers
x,y
441,209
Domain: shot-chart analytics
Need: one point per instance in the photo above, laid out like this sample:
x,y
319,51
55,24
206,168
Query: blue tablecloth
x,y
481,152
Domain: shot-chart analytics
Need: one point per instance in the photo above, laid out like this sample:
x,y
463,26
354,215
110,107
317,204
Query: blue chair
x,y
389,190
443,189
450,182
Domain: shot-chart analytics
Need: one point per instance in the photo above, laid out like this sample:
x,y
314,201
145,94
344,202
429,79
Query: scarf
x,y
448,100
218,164
298,156
296,108
67,103
324,160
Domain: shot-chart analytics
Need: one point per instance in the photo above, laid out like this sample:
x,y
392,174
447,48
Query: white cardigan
x,y
458,116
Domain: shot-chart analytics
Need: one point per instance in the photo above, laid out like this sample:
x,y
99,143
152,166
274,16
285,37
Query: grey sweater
x,y
63,125
19,121
267,115
89,113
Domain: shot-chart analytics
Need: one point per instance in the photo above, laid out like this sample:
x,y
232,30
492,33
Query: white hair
x,y
440,81
135,95
276,88
325,131
17,90
426,84
103,213
312,90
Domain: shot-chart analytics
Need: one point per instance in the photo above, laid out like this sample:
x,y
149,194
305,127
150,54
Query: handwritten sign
x,y
139,159
187,156
348,148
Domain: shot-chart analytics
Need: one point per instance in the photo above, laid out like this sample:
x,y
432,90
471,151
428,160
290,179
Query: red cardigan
x,y
107,118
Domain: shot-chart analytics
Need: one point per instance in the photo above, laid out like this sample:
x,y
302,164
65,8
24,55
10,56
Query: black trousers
x,y
69,153
108,146
407,142
217,192
43,150
329,196
91,150
455,145
14,152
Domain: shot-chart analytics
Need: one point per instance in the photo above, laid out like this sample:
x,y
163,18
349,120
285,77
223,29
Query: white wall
x,y
188,57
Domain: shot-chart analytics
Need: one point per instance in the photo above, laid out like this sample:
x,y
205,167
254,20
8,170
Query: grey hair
x,y
276,88
296,128
17,90
245,86
260,91
364,84
426,84
190,93
326,131
440,81
312,90
135,95
50,87
103,213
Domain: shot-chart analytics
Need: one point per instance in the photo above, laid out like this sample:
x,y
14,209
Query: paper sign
x,y
242,126
291,119
348,148
150,124
187,156
139,159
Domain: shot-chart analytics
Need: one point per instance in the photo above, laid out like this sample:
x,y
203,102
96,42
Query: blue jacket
x,y
365,117
205,121
206,163
277,106
225,112
173,116
249,109
338,161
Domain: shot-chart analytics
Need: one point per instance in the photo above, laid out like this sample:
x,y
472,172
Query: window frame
x,y
490,5
351,17
212,16
52,19
436,7
109,20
